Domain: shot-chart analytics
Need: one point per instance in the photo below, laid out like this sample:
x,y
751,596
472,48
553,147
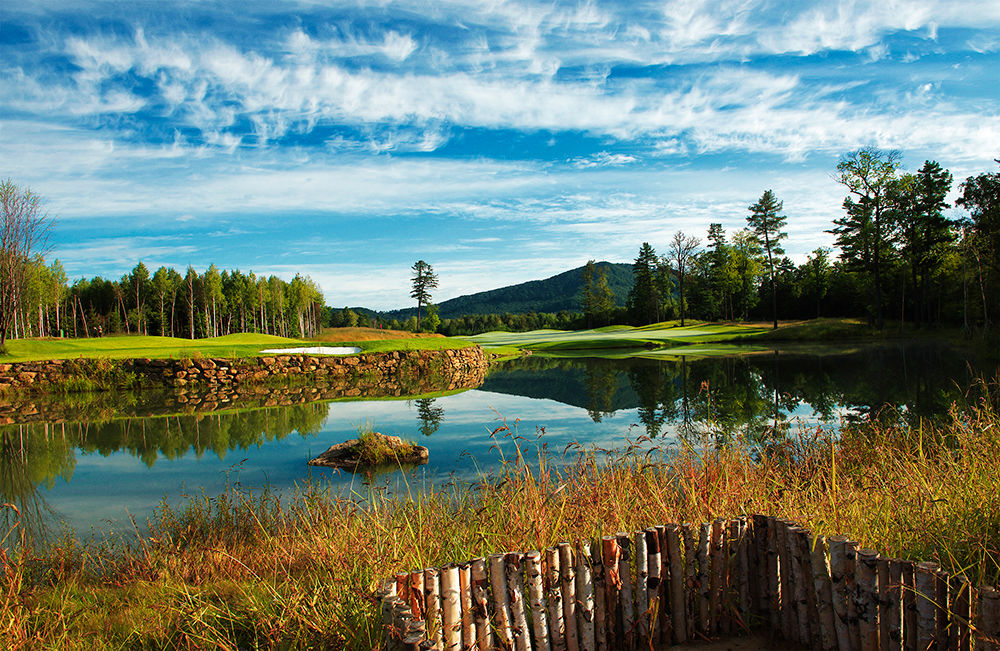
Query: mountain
x,y
560,292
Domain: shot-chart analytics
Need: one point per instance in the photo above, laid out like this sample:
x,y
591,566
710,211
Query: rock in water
x,y
354,454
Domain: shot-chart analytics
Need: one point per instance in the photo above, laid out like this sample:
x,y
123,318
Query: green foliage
x,y
651,296
596,297
423,281
372,450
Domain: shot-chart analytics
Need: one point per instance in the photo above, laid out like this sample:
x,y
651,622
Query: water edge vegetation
x,y
244,569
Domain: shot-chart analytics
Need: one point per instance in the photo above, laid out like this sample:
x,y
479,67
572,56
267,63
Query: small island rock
x,y
347,454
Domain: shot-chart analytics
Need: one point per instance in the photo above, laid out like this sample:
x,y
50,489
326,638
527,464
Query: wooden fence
x,y
678,583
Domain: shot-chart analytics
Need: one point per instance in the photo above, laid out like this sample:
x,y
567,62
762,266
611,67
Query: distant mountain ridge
x,y
553,294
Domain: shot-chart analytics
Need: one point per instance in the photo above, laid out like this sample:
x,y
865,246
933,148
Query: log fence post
x,y
451,608
601,634
678,609
625,597
824,594
585,597
925,584
536,599
866,575
501,604
654,589
480,604
642,616
567,574
432,605
553,585
612,587
465,597
515,597
703,582
988,619
959,638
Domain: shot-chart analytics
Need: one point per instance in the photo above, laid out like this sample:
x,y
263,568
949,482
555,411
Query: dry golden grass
x,y
251,571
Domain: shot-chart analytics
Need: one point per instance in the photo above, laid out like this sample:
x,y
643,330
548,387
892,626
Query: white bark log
x,y
567,575
536,599
585,597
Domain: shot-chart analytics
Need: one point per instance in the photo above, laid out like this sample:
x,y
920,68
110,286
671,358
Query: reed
x,y
255,570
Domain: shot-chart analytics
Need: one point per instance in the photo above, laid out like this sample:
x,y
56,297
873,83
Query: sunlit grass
x,y
230,346
247,570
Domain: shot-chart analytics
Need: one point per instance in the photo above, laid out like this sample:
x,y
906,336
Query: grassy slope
x,y
231,346
652,336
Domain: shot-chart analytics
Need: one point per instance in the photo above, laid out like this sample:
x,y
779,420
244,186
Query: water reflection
x,y
754,394
83,465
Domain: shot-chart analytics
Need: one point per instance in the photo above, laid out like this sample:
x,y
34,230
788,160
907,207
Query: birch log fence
x,y
678,583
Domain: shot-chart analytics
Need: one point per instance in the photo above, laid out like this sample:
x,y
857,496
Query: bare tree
x,y
682,248
24,233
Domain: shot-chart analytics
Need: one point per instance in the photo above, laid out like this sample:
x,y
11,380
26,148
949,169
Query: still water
x,y
96,473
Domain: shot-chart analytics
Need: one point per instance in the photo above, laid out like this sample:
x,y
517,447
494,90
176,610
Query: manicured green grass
x,y
231,346
618,337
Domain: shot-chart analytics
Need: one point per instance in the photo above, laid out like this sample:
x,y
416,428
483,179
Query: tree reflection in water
x,y
757,395
36,455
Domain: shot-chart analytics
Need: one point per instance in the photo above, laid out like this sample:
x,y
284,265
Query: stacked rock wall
x,y
396,370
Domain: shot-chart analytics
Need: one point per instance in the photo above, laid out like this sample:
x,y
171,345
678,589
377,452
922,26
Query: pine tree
x,y
766,221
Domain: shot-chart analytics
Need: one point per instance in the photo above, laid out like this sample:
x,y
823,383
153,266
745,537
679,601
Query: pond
x,y
118,458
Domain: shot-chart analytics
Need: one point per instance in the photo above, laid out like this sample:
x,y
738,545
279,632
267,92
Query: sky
x,y
500,141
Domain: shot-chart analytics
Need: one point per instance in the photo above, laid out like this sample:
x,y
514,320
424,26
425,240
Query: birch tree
x,y
24,231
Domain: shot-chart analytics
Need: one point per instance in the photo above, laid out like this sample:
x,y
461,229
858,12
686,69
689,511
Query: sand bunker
x,y
315,350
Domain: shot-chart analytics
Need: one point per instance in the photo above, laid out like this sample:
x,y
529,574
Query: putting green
x,y
646,337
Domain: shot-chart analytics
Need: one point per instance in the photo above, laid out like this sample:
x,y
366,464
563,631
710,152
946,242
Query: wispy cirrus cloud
x,y
474,132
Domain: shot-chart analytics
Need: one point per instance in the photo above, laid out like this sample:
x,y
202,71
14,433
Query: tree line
x,y
166,303
899,256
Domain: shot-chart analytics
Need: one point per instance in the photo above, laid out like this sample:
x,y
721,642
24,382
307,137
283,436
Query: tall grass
x,y
252,570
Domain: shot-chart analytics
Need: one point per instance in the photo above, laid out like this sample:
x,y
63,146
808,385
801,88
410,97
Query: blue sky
x,y
499,141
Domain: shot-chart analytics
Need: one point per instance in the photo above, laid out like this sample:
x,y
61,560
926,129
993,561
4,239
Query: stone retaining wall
x,y
456,368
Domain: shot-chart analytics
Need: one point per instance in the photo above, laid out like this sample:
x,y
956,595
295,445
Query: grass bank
x,y
248,571
658,335
629,341
230,346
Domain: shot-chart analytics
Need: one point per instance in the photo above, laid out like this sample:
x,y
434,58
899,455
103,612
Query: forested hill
x,y
560,292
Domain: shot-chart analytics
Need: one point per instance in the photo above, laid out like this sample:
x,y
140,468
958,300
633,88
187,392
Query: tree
x,y
745,261
766,221
649,286
138,287
24,231
863,233
981,197
917,203
431,321
682,247
815,276
424,279
597,300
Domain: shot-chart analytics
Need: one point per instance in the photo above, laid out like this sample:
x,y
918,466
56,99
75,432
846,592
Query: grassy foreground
x,y
242,571
231,346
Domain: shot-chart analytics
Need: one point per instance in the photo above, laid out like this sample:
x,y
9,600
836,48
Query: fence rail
x,y
678,583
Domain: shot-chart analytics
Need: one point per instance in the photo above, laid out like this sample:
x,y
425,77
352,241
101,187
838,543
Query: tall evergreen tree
x,y
863,233
766,221
917,203
646,298
423,281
